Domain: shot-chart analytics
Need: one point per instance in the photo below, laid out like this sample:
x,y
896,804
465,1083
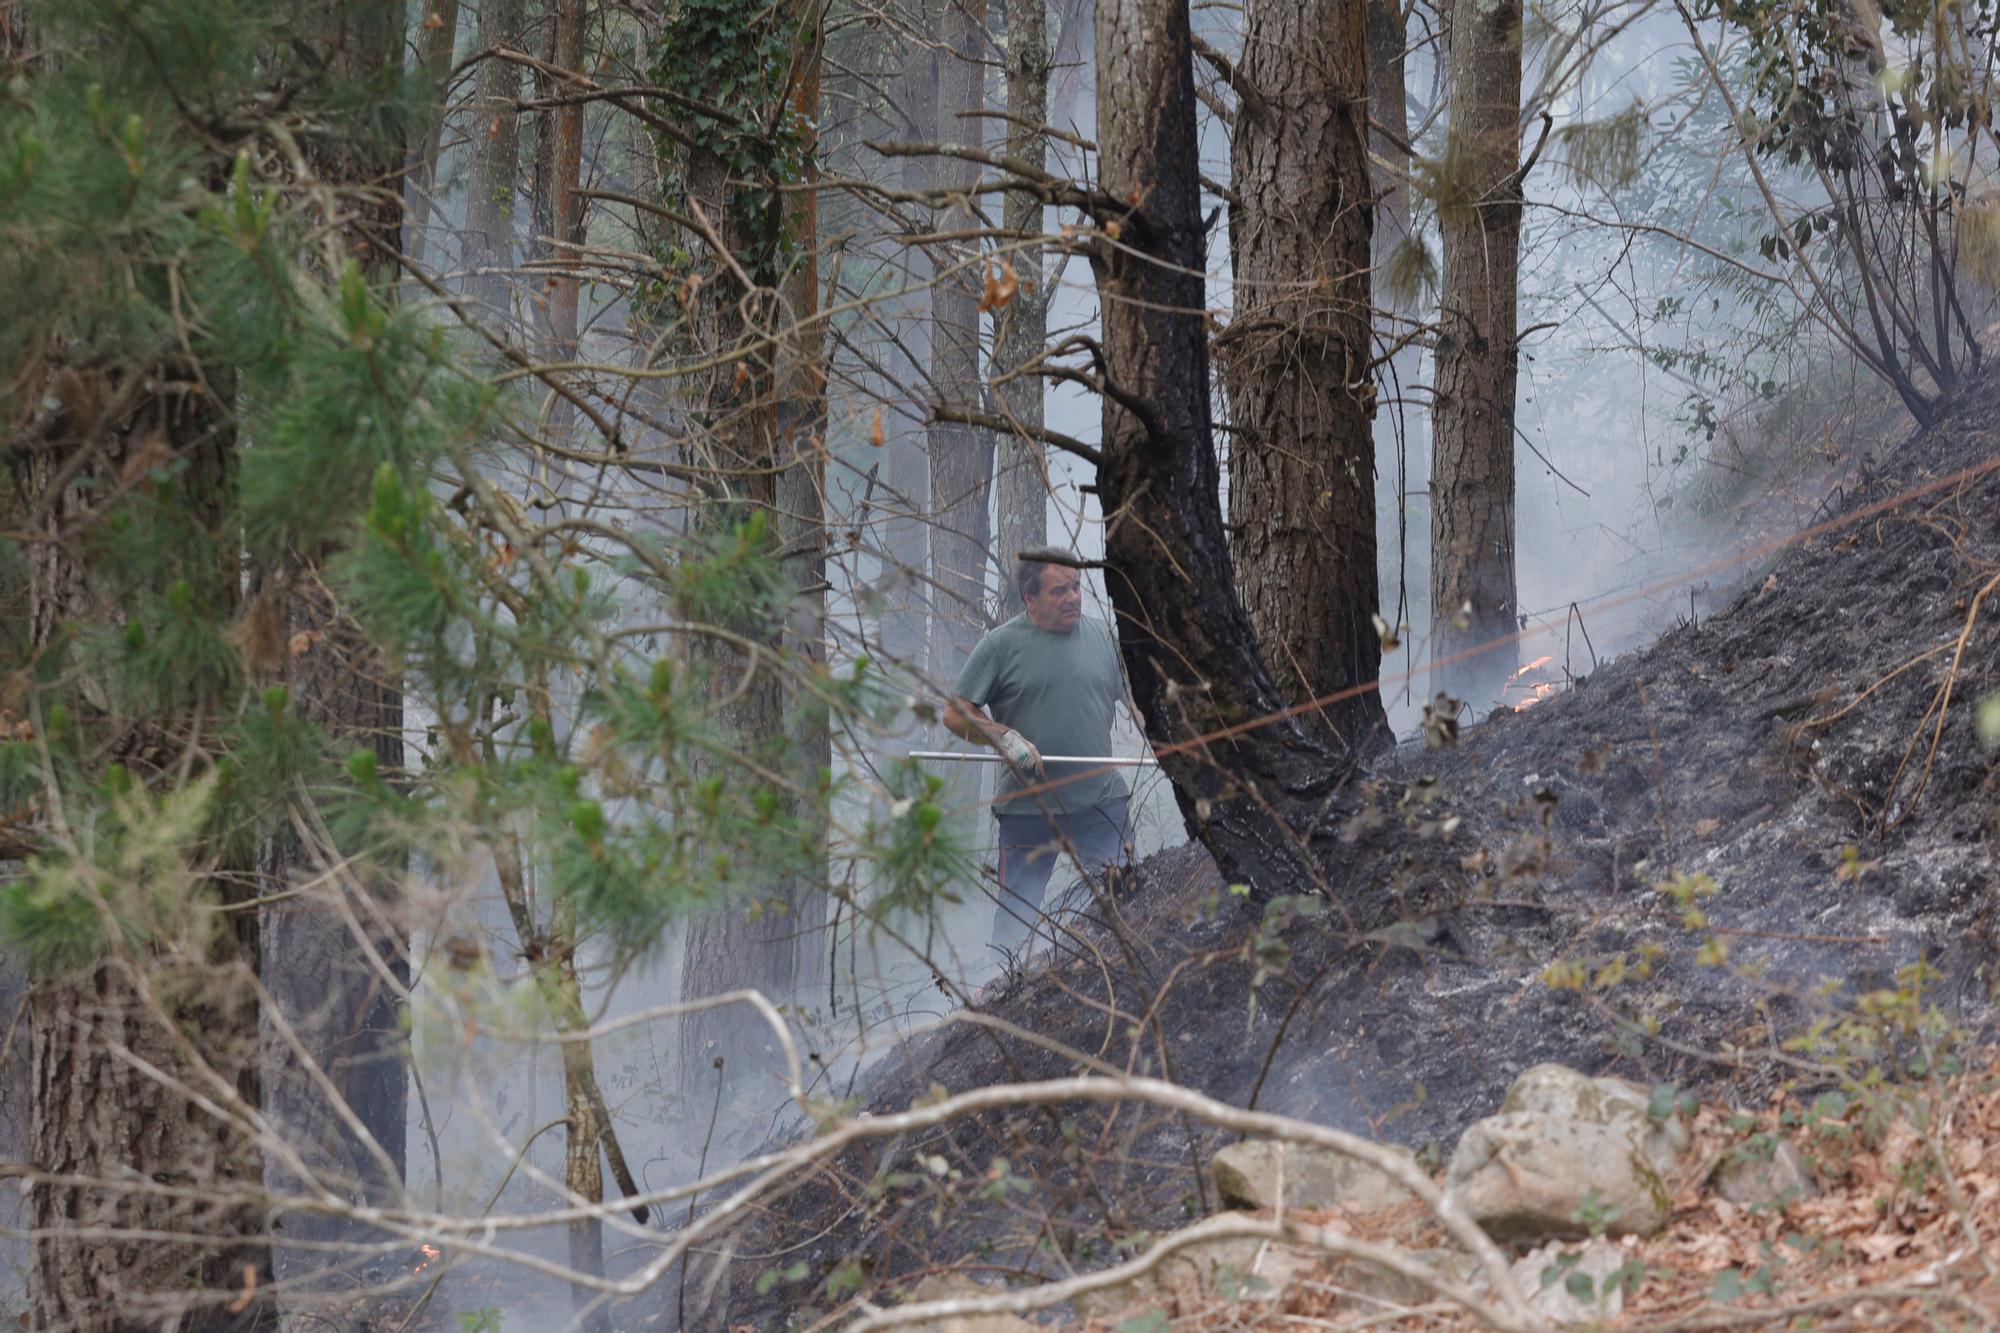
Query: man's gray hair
x,y
1028,572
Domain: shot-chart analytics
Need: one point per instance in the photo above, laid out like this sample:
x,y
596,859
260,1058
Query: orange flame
x,y
1519,692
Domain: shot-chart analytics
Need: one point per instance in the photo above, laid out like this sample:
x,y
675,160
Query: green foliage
x,y
733,61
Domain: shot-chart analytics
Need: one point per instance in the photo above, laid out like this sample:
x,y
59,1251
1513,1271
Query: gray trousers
x,y
1029,846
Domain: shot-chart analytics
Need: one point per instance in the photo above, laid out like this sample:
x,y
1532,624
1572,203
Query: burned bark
x,y
1253,787
1296,359
1473,599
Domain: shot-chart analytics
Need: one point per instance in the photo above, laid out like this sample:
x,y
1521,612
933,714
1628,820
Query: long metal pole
x,y
1097,760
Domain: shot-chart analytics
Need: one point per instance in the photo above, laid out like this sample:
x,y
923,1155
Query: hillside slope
x,y
1792,765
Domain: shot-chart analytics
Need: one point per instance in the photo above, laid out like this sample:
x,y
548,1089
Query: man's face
x,y
1059,605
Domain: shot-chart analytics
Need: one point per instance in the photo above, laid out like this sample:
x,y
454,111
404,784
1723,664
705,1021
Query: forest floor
x,y
1741,862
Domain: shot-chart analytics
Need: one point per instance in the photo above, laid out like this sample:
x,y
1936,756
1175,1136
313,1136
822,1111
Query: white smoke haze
x,y
1636,341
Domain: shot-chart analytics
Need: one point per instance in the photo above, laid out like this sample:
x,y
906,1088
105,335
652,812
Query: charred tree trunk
x,y
1472,470
1020,480
496,152
123,1048
961,456
1302,455
1255,798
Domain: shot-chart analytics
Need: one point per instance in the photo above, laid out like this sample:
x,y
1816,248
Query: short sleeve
x,y
1114,671
980,673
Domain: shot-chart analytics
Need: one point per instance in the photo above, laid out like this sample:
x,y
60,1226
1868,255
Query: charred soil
x,y
1669,871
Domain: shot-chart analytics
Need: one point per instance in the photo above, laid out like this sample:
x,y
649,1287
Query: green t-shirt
x,y
1058,690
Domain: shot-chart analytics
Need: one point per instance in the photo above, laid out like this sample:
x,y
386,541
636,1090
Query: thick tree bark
x,y
1258,797
122,1049
1020,481
496,149
961,456
1302,456
1472,469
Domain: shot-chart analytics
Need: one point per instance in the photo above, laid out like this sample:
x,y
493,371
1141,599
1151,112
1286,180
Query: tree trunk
x,y
1472,469
1020,480
496,152
1402,436
800,384
122,1048
961,456
567,205
906,618
771,407
321,977
437,41
1302,456
1255,799
1389,114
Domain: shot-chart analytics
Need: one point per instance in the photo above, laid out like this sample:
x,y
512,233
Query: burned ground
x,y
1804,766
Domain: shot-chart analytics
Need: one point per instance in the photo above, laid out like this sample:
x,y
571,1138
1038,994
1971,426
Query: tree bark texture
x,y
495,133
125,1051
1388,112
1255,798
1302,455
961,456
1020,477
1472,467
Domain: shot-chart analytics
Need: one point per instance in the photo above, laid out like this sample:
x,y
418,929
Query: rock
x,y
1233,1267
1566,1153
1559,1091
1751,1178
1553,1279
1249,1175
946,1286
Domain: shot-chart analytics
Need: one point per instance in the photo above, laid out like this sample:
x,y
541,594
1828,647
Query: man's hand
x,y
1020,752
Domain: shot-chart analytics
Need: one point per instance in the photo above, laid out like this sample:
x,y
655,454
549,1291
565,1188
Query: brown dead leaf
x,y
302,642
1880,1247
433,21
876,435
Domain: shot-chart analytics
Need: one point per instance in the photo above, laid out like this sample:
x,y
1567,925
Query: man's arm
x,y
964,718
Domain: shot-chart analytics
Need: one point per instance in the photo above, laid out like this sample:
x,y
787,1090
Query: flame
x,y
431,1255
1519,692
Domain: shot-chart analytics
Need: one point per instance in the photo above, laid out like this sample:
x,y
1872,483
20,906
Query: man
x,y
1046,680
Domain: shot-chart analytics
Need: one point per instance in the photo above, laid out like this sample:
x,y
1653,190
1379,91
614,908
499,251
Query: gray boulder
x,y
1568,1154
1257,1172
